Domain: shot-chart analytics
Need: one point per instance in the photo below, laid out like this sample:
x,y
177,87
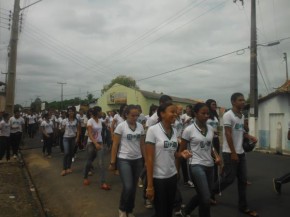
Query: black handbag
x,y
248,145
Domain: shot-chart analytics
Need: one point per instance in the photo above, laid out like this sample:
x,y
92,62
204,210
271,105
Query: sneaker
x,y
63,173
49,156
148,204
277,186
86,182
140,183
14,157
73,159
189,184
178,213
90,173
105,187
122,214
130,215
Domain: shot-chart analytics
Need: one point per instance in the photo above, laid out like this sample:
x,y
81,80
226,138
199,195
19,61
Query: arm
x,y
78,132
113,128
115,147
142,146
216,157
229,138
150,153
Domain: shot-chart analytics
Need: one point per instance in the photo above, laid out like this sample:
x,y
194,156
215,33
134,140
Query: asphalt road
x,y
67,197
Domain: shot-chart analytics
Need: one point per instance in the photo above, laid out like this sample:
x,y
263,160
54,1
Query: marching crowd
x,y
147,150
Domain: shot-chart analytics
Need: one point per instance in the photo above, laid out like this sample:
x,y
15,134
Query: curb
x,y
32,187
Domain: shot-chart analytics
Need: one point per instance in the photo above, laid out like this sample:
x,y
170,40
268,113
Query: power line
x,y
181,26
154,29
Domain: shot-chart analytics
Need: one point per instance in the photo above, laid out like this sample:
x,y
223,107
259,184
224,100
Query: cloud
x,y
88,43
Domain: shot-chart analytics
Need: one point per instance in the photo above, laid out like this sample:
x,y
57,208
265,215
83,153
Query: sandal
x,y
250,212
86,182
213,202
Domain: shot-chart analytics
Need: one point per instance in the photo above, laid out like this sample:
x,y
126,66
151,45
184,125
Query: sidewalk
x,y
17,194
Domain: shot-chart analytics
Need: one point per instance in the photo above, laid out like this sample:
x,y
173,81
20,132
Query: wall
x,y
276,109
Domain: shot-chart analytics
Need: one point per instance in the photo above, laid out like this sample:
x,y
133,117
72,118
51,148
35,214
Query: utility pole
x,y
10,85
285,58
253,72
61,94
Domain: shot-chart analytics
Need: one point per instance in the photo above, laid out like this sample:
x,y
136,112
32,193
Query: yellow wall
x,y
133,97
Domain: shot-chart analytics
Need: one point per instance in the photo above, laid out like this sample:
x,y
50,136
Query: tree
x,y
18,107
36,105
90,97
122,79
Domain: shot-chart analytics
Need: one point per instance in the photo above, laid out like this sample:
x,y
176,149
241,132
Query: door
x,y
276,132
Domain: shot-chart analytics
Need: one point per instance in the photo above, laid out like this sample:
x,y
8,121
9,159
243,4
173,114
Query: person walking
x,y
277,182
129,148
199,136
213,121
95,148
233,154
47,127
4,137
161,145
71,128
16,129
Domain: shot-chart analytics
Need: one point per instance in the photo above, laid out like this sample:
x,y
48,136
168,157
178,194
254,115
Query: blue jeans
x,y
129,173
68,145
92,153
202,178
231,170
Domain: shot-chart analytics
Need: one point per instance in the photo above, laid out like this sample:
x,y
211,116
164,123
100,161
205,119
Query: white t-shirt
x,y
4,128
70,127
152,120
141,119
130,141
48,126
164,160
178,126
118,119
187,120
96,129
214,123
199,144
31,119
231,120
83,120
16,123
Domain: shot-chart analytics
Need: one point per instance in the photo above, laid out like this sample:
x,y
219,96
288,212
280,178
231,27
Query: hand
x,y
253,139
218,160
112,167
98,146
150,193
186,154
234,157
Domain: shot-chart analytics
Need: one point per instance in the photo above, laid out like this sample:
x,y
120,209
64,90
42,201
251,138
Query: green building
x,y
119,94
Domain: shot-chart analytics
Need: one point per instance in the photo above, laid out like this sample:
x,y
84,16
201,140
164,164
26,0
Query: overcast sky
x,y
87,43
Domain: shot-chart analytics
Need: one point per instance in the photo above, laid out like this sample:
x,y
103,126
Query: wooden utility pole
x,y
285,58
10,86
253,64
61,94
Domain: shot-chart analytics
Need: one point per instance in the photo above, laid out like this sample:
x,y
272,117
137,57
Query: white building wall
x,y
276,109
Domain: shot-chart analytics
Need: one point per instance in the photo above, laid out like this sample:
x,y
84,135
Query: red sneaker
x,y
105,186
86,182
